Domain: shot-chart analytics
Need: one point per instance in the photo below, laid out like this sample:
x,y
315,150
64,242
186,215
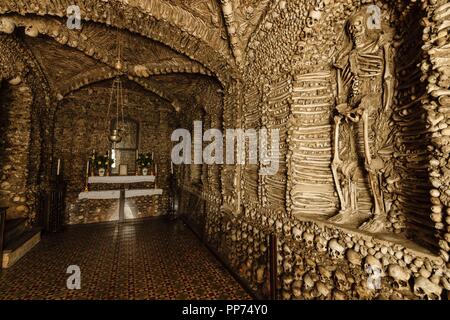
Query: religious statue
x,y
362,136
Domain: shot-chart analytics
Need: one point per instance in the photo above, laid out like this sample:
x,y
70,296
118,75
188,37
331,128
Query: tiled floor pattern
x,y
153,259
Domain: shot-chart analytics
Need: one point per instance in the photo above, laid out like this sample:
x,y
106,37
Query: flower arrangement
x,y
102,161
144,160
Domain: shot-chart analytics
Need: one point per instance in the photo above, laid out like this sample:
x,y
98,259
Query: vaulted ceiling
x,y
172,48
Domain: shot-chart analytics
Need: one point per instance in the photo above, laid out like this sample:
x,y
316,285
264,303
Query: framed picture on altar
x,y
123,170
125,150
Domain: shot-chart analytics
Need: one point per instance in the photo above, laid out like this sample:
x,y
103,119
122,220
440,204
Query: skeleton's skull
x,y
400,276
426,289
7,25
335,249
313,17
357,28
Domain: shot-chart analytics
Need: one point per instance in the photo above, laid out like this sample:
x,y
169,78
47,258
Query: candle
x,y
171,166
137,154
87,168
59,166
152,156
156,169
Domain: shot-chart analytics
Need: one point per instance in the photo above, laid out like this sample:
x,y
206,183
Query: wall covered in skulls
x,y
289,83
26,135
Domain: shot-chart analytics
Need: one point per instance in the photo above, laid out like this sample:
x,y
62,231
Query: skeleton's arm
x,y
341,97
389,80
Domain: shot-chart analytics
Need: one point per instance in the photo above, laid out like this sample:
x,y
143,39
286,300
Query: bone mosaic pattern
x,y
363,181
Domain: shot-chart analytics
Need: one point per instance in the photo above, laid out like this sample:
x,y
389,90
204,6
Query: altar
x,y
119,198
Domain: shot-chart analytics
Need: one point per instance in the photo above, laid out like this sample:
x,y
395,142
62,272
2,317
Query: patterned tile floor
x,y
153,259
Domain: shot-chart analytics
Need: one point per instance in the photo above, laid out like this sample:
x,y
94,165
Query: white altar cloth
x,y
121,179
115,194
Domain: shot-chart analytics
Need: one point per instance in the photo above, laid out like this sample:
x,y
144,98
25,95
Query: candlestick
x,y
59,166
86,188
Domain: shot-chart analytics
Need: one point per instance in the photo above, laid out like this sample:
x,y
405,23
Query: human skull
x,y
263,220
296,234
335,249
287,230
322,290
308,282
426,289
324,274
340,281
339,295
7,25
262,247
287,280
279,259
260,274
372,264
278,226
309,239
313,17
400,276
287,267
354,257
297,288
32,31
286,249
357,28
321,243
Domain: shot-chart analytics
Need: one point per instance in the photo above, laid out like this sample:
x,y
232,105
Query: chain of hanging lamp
x,y
115,134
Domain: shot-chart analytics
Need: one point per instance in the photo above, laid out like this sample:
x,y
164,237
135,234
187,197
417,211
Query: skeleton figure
x,y
365,84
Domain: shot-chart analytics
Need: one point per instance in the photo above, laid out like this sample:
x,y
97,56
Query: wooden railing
x,y
2,230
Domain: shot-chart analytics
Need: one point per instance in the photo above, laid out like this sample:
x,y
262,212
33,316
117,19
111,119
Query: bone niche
x,y
363,145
